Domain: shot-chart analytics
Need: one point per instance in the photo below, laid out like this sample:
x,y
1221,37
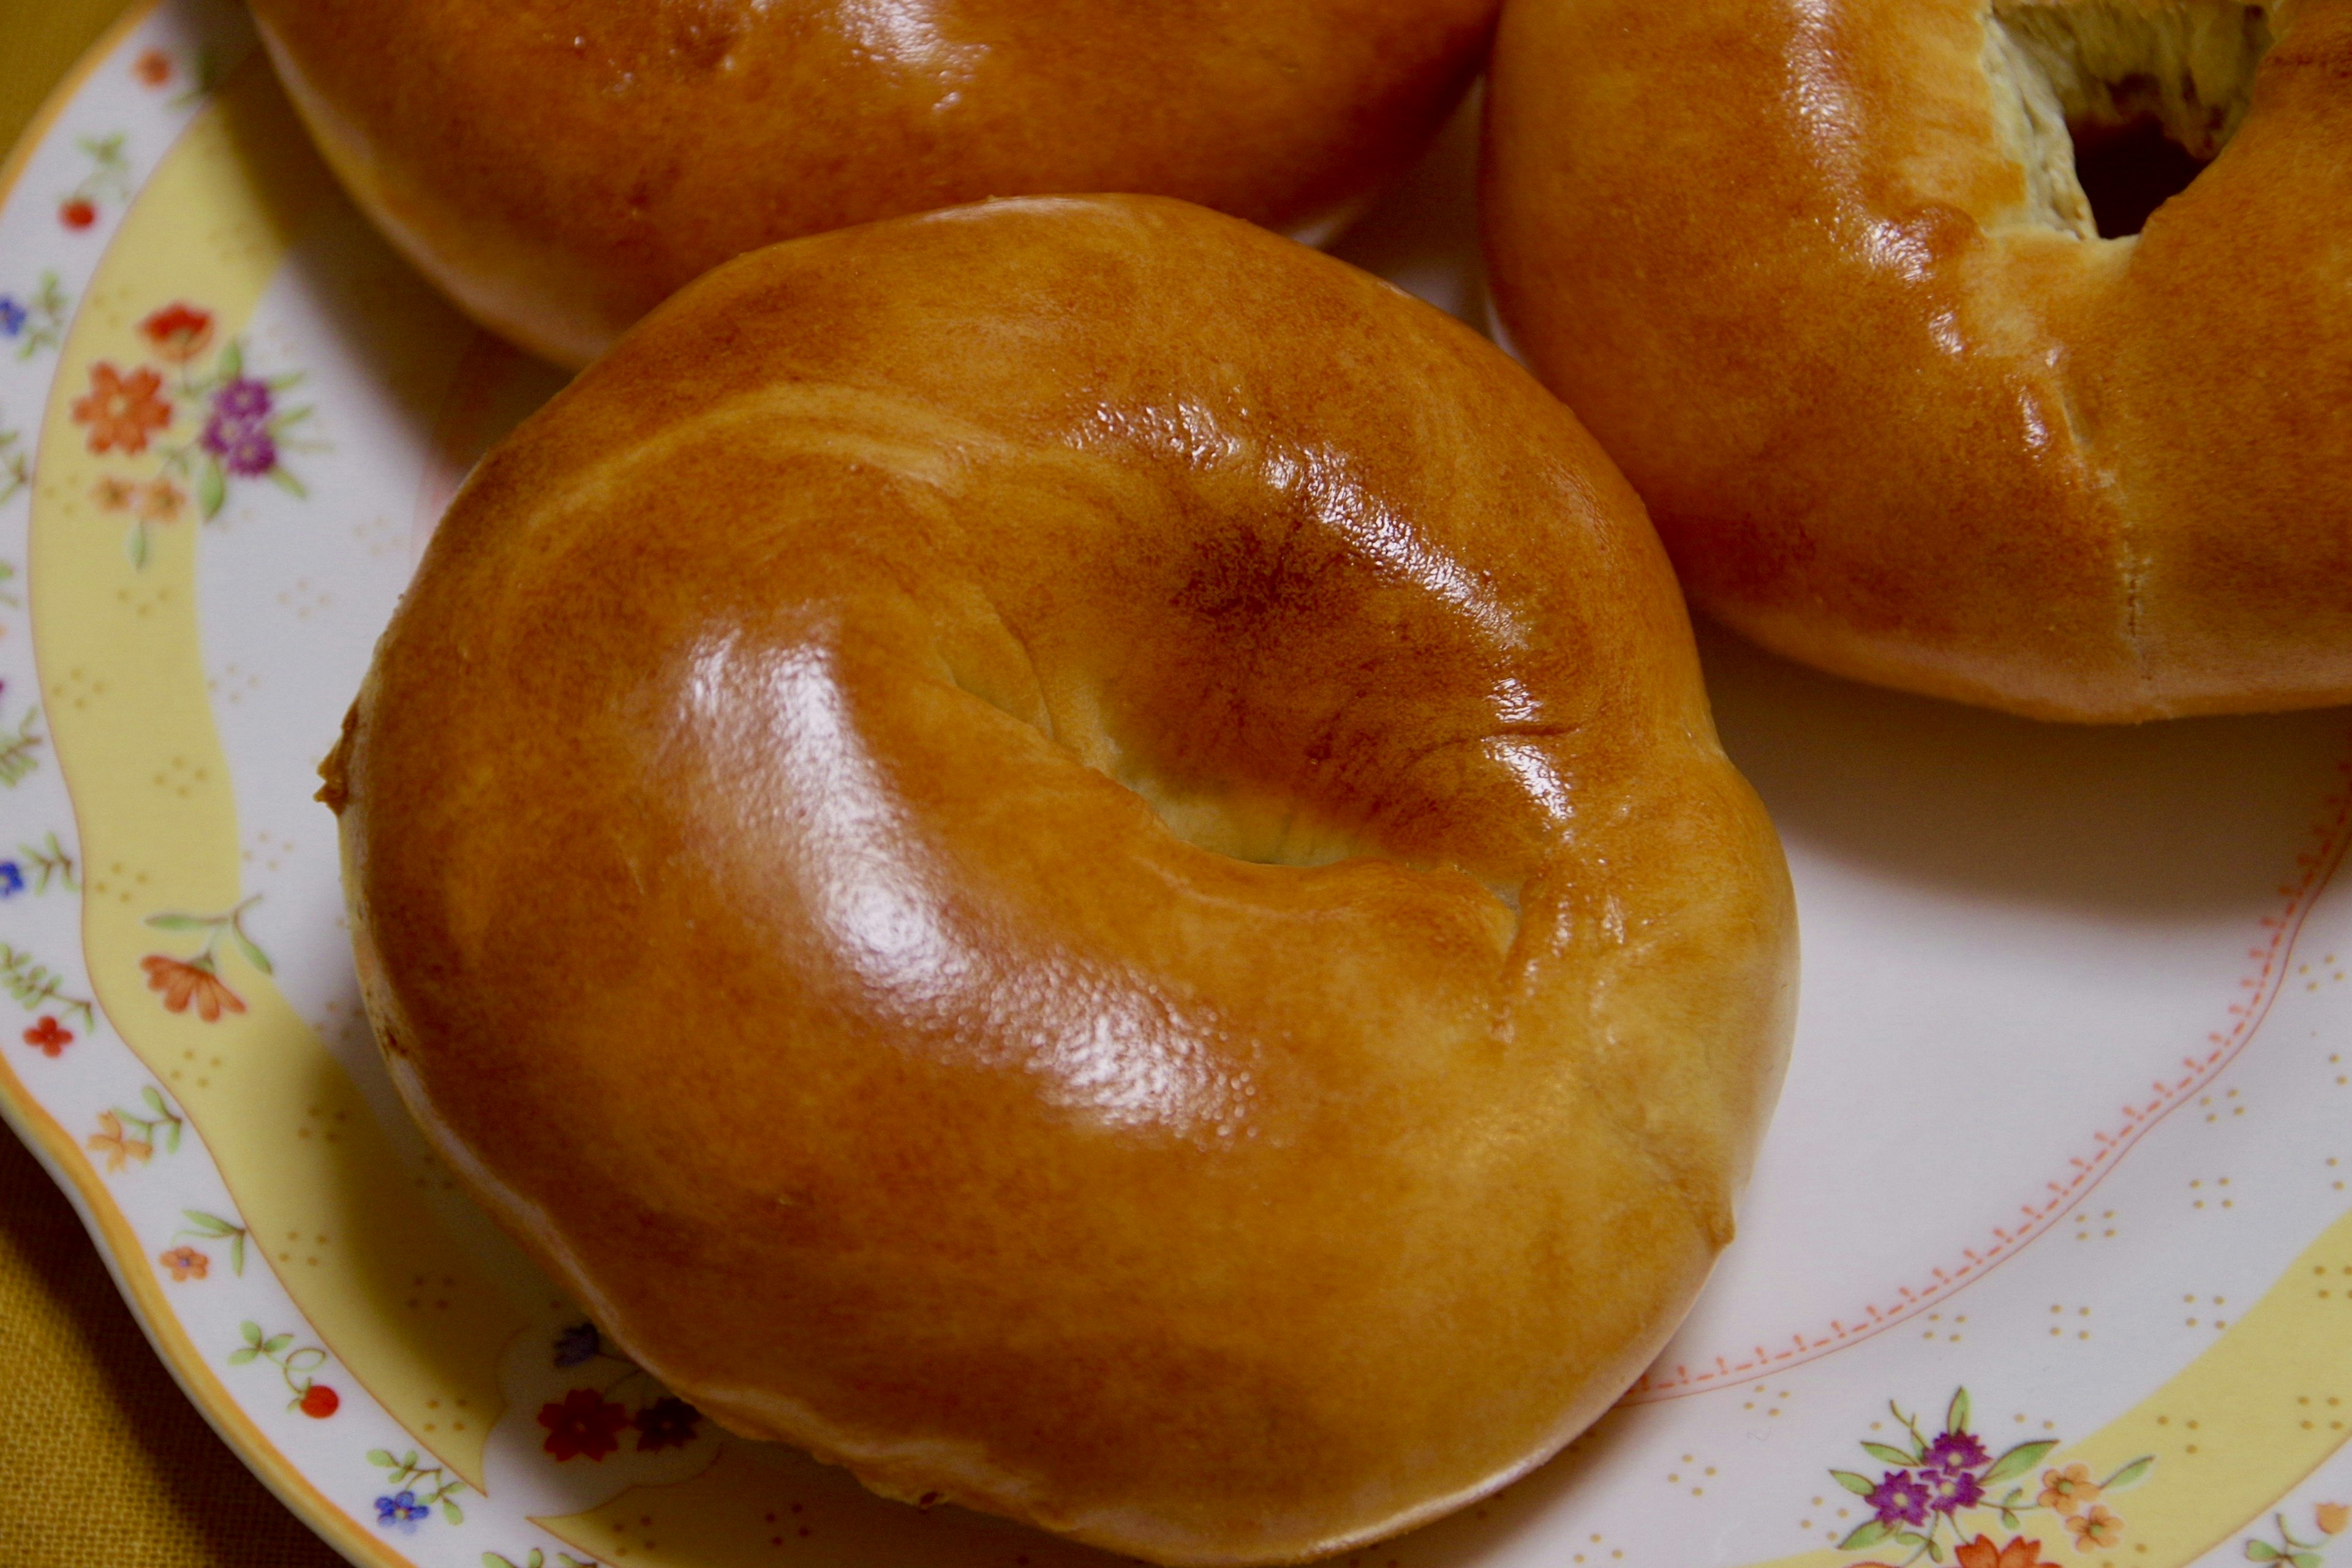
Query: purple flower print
x,y
244,401
237,433
12,879
245,450
577,1344
1900,1497
1948,1491
1957,1451
13,315
668,1423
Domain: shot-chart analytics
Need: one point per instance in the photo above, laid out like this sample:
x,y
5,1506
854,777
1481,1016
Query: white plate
x,y
2063,1127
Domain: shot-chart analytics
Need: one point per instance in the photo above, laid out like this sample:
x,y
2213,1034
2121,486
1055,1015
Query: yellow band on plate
x,y
328,1202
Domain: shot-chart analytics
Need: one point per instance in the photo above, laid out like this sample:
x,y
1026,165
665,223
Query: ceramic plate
x,y
2049,1244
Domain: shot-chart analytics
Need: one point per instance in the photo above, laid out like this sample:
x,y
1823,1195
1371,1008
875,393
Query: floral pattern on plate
x,y
35,321
2283,1545
196,980
1941,1485
240,426
588,1422
195,403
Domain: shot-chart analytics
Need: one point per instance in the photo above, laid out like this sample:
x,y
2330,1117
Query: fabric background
x,y
103,1462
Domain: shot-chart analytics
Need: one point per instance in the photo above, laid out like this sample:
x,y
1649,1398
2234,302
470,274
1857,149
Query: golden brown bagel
x,y
1074,855
1821,278
560,166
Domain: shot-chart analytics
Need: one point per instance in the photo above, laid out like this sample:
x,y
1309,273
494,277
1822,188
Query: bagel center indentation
x,y
1244,820
1264,829
1233,817
2113,107
1229,818
1284,666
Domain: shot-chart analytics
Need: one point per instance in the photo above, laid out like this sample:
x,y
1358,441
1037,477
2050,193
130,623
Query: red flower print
x,y
153,67
585,1424
120,410
77,212
1983,1554
185,1263
49,1036
179,332
318,1402
668,1423
183,982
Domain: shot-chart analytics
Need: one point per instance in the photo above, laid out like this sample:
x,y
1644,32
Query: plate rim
x,y
77,1176
67,1165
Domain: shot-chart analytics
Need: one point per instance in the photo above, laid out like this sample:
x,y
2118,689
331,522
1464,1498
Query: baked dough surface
x,y
1074,855
1820,277
560,166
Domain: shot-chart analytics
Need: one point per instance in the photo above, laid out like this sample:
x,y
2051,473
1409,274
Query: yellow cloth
x,y
102,1459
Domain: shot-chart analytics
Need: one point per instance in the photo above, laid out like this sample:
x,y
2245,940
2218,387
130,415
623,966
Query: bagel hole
x,y
980,654
1243,825
1237,823
2115,107
2126,173
1251,825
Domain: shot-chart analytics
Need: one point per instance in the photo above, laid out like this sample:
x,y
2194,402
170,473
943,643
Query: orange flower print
x,y
153,67
179,332
2331,1517
113,494
2097,1527
161,500
183,982
47,1036
2069,1491
121,410
185,1263
111,1141
2019,1553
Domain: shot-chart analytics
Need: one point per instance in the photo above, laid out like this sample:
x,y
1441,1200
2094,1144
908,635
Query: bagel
x,y
559,169
1074,855
1825,283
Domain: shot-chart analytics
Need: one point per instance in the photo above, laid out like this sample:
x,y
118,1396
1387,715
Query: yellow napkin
x,y
102,1461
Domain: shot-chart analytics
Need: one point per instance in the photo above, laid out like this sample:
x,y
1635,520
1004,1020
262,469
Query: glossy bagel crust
x,y
1780,260
560,166
1074,855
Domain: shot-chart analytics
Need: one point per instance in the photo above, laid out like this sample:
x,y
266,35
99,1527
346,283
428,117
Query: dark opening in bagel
x,y
2128,171
2117,105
